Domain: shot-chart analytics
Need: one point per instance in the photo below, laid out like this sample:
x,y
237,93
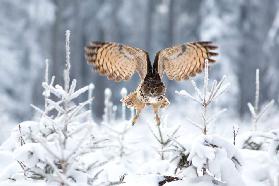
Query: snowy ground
x,y
137,157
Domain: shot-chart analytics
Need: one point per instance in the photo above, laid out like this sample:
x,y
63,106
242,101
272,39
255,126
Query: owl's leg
x,y
138,106
162,104
131,101
156,108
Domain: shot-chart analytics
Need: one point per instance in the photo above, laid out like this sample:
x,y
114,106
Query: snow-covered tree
x,y
164,135
56,148
205,98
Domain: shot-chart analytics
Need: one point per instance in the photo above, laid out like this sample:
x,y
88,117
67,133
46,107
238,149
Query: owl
x,y
119,62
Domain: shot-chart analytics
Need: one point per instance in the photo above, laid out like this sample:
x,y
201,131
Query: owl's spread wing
x,y
182,61
116,61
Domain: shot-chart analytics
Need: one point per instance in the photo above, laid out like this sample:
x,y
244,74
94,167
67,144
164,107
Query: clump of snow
x,y
216,157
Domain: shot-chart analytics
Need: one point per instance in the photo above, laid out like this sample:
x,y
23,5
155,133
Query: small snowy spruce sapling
x,y
205,97
64,134
164,136
255,139
211,155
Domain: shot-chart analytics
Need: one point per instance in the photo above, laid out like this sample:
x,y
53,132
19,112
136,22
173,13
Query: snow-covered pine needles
x,y
205,97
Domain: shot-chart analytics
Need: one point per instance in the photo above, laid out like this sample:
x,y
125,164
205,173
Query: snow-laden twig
x,y
78,92
205,81
257,95
67,64
197,91
185,93
235,133
46,93
90,94
194,123
255,110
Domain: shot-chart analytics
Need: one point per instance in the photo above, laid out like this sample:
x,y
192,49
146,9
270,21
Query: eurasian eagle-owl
x,y
119,62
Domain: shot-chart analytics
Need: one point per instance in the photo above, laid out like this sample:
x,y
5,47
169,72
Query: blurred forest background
x,y
246,31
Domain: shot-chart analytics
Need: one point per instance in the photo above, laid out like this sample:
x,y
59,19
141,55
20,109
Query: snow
x,y
139,180
6,158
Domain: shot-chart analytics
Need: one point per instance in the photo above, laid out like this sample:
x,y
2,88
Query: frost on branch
x,y
205,97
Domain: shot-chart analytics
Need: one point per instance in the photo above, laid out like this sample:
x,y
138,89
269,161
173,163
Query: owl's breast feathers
x,y
151,90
